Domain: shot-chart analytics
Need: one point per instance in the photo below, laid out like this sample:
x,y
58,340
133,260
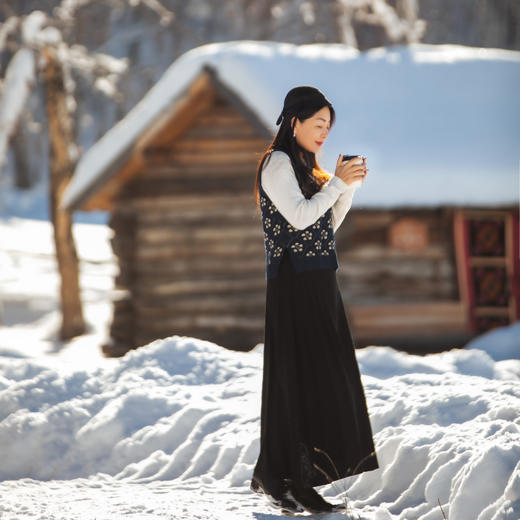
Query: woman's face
x,y
312,133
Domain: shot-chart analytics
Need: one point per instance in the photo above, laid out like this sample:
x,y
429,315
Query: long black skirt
x,y
315,427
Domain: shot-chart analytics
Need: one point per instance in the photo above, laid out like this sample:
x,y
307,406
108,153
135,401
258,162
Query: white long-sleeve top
x,y
280,183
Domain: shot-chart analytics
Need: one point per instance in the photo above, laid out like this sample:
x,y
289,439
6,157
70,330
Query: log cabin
x,y
428,253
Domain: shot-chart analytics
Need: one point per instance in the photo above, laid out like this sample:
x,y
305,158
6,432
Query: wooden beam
x,y
409,319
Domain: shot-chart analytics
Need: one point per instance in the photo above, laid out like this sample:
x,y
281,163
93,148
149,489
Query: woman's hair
x,y
302,103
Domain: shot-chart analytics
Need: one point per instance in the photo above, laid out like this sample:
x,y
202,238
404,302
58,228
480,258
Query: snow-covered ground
x,y
171,430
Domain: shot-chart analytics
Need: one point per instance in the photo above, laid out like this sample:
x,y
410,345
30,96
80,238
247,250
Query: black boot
x,y
310,499
280,497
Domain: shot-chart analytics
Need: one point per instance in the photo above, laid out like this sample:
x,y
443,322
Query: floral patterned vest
x,y
311,248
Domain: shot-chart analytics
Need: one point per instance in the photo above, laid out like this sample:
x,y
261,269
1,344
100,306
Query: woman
x,y
314,420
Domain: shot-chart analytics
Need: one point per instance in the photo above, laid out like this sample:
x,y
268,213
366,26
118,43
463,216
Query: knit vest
x,y
311,248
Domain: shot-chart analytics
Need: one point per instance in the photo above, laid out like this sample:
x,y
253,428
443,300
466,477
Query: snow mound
x,y
500,343
446,426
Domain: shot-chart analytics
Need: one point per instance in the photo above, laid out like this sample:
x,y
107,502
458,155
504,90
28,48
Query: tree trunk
x,y
61,168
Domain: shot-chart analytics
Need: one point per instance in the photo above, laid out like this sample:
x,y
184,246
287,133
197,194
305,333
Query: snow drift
x,y
446,426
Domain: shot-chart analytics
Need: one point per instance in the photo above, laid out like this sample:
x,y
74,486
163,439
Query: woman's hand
x,y
349,172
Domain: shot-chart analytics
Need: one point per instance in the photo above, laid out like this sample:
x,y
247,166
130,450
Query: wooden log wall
x,y
373,271
189,240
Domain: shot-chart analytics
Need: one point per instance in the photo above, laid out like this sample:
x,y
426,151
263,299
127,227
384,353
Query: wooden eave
x,y
173,121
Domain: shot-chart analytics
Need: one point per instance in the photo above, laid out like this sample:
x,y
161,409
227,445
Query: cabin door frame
x,y
488,266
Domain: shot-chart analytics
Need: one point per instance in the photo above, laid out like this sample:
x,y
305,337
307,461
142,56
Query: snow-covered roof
x,y
439,124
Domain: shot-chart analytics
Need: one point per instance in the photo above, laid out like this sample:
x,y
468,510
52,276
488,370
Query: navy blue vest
x,y
311,248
